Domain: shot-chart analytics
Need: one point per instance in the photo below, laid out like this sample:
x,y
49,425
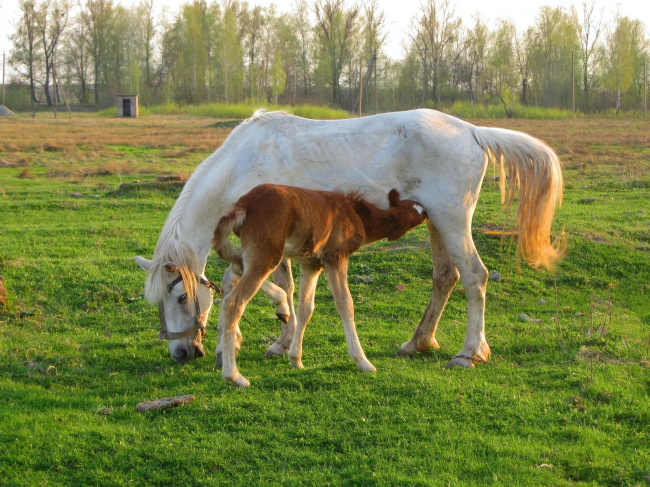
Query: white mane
x,y
173,246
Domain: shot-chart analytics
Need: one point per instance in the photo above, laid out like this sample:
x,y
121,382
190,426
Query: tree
x,y
51,20
146,36
278,77
96,18
523,45
589,30
500,73
335,28
230,56
26,48
553,38
624,54
304,38
472,58
433,34
374,37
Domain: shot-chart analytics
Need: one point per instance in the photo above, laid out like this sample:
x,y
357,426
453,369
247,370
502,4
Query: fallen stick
x,y
164,403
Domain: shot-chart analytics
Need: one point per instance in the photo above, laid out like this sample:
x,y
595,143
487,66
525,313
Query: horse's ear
x,y
169,267
393,197
144,264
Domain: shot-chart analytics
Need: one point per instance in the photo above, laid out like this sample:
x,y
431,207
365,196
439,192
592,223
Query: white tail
x,y
535,169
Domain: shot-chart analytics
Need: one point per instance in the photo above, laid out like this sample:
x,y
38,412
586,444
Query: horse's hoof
x,y
366,366
460,361
406,350
296,364
284,318
275,349
239,381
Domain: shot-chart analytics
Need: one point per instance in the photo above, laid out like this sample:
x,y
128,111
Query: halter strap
x,y
198,327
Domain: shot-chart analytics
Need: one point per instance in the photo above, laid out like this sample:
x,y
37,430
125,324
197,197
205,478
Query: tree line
x,y
325,51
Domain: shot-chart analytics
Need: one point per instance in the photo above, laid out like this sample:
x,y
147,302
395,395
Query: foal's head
x,y
407,214
399,218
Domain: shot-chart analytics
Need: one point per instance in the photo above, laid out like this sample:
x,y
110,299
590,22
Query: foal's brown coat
x,y
320,230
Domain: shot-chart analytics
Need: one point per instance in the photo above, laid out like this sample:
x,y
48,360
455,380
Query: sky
x,y
400,12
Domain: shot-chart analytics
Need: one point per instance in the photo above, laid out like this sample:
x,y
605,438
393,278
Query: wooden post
x,y
38,103
424,77
573,85
57,79
374,61
360,84
645,87
3,78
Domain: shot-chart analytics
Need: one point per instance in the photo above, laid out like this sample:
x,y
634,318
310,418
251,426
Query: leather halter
x,y
198,327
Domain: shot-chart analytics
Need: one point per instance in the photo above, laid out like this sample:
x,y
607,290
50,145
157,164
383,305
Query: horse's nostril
x,y
182,355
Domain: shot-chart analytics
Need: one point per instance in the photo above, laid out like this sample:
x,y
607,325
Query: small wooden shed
x,y
127,105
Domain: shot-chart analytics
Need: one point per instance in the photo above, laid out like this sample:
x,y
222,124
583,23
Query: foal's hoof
x,y
276,348
283,317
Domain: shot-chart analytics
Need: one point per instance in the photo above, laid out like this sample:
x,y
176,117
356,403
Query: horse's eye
x,y
182,298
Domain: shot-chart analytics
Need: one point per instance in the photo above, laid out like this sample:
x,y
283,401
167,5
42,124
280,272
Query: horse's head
x,y
184,300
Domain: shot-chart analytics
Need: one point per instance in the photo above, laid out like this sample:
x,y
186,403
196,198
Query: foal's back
x,y
299,223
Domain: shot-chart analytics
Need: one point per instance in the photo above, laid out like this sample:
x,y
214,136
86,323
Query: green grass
x,y
562,402
233,110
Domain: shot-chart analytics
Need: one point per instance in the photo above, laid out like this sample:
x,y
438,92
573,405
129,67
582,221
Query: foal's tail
x,y
221,240
534,168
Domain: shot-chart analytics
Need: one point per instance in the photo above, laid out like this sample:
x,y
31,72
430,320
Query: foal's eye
x,y
182,298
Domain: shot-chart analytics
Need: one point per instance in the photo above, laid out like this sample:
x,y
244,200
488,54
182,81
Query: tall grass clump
x,y
466,110
320,113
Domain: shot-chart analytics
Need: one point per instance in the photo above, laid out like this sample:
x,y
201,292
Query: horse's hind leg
x,y
283,278
445,277
337,278
475,277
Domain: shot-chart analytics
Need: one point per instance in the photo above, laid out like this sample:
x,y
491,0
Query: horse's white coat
x,y
429,157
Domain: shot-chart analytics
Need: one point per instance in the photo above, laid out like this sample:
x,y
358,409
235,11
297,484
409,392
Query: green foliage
x,y
564,401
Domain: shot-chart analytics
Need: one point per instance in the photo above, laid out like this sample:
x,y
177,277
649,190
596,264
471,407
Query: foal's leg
x,y
445,277
228,282
308,281
337,277
277,294
232,307
283,278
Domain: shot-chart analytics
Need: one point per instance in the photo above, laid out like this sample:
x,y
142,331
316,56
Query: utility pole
x,y
374,61
360,84
3,79
645,87
573,85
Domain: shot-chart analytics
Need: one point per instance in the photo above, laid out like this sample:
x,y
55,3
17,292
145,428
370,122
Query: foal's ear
x,y
393,197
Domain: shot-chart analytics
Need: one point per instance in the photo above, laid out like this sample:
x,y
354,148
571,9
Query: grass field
x,y
564,400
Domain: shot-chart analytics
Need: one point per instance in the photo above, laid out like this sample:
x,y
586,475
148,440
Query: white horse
x,y
429,157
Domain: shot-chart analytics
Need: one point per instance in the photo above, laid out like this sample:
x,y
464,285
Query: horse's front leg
x,y
445,277
337,278
283,278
